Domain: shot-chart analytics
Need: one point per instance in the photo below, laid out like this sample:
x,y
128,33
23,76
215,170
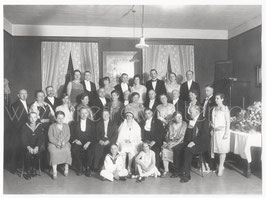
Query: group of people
x,y
137,131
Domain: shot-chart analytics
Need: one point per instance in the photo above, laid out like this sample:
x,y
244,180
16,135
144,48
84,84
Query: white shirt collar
x,y
147,126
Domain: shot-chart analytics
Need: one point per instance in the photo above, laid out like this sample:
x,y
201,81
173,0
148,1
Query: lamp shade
x,y
141,43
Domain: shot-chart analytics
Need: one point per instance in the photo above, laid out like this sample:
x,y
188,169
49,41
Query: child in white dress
x,y
145,163
114,165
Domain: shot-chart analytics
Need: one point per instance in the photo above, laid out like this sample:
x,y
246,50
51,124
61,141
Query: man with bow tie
x,y
195,142
51,99
123,86
157,85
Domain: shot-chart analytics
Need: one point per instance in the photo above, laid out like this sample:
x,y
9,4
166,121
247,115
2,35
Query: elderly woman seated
x,y
165,110
129,139
58,146
114,167
32,139
175,135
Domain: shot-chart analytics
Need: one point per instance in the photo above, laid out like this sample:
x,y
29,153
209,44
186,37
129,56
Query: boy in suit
x,y
189,85
157,85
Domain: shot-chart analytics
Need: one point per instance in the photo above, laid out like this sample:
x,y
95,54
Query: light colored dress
x,y
76,90
170,87
68,114
137,109
148,159
112,166
221,124
141,90
166,112
129,138
56,135
175,135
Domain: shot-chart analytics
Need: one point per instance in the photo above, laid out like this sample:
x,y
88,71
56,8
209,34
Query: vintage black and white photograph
x,y
132,99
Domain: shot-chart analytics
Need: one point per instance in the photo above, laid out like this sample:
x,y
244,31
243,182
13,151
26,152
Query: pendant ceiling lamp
x,y
142,44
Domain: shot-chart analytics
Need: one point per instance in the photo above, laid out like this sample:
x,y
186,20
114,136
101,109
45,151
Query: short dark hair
x,y
136,76
163,94
38,91
124,74
82,96
64,95
154,70
59,113
87,71
48,87
209,85
76,70
116,92
194,91
106,78
135,94
106,110
32,112
190,71
172,73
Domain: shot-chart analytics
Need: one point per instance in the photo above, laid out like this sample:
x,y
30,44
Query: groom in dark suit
x,y
189,85
88,86
195,142
157,85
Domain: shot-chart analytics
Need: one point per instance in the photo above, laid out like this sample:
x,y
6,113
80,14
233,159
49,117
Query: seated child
x,y
114,165
145,163
32,139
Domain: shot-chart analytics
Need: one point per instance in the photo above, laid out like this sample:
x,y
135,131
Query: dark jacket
x,y
180,106
112,132
121,94
30,138
209,107
198,135
93,93
57,102
159,89
19,115
156,103
97,107
87,136
184,92
157,132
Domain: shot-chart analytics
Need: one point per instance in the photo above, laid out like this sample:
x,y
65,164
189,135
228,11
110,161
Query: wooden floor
x,y
230,183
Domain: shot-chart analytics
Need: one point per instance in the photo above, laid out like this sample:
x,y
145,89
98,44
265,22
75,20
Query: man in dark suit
x,y
153,131
99,103
157,85
83,140
123,86
88,86
106,135
19,116
151,102
195,142
179,103
189,85
208,104
51,99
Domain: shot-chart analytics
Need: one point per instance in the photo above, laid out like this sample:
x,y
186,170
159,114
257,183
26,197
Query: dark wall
x,y
245,52
26,69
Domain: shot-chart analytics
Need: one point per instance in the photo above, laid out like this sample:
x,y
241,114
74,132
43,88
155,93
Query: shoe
x,y
88,173
185,178
27,176
175,175
122,178
140,179
165,174
54,176
103,179
220,172
134,176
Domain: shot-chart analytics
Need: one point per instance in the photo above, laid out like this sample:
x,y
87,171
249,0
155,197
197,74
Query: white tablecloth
x,y
240,143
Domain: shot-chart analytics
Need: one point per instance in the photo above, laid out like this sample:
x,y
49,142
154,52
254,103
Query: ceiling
x,y
212,17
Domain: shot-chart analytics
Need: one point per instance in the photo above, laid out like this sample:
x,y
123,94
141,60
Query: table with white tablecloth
x,y
241,143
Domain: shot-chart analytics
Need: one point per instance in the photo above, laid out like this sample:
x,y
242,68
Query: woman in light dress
x,y
220,141
136,107
165,110
106,83
75,88
59,146
137,87
67,108
175,135
145,163
171,85
129,139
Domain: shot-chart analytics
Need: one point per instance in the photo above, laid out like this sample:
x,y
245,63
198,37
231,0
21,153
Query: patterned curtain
x,y
54,63
157,56
85,56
